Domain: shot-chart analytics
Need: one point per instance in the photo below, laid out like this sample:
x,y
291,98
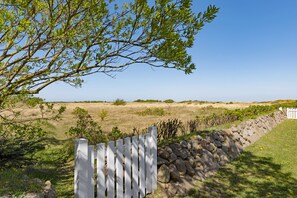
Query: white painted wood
x,y
101,181
119,168
154,157
91,173
148,177
128,164
135,188
141,167
75,167
128,169
291,113
82,167
110,169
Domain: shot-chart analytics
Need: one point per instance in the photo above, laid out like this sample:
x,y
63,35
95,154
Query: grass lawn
x,y
267,168
51,163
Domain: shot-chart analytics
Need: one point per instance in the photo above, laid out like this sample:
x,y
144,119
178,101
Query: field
x,y
55,162
135,114
266,169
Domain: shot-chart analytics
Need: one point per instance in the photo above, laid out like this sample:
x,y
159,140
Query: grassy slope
x,y
267,168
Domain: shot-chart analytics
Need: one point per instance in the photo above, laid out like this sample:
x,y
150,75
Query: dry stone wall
x,y
181,164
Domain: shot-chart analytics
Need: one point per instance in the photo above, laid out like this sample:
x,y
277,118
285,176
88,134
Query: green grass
x,y
52,163
14,182
267,168
281,146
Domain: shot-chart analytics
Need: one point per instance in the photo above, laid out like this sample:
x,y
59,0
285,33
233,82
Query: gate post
x,y
81,168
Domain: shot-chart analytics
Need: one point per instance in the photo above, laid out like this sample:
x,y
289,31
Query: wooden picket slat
x,y
91,173
110,169
147,164
127,153
291,113
154,157
141,166
135,188
119,168
76,159
82,166
101,181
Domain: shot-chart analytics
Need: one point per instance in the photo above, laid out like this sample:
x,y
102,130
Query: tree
x,y
44,41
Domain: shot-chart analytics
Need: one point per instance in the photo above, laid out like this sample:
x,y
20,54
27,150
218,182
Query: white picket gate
x,y
123,168
291,113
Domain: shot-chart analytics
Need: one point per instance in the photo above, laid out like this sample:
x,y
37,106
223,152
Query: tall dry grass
x,y
127,117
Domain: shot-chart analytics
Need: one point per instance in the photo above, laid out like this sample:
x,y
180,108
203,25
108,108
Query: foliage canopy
x,y
44,41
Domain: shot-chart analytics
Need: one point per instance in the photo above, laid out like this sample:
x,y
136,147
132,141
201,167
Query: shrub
x,y
137,131
103,114
169,101
17,152
86,127
152,111
192,125
116,134
169,129
17,144
229,116
119,102
148,101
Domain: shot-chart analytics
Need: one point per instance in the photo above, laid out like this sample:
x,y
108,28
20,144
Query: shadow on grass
x,y
54,165
60,175
14,152
48,162
248,176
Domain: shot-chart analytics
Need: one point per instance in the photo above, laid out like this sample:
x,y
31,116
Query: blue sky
x,y
248,53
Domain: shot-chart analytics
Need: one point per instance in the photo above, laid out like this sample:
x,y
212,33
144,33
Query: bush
x,y
148,101
169,129
86,127
17,144
192,125
116,134
152,111
173,127
169,101
292,104
103,114
17,152
119,102
229,116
